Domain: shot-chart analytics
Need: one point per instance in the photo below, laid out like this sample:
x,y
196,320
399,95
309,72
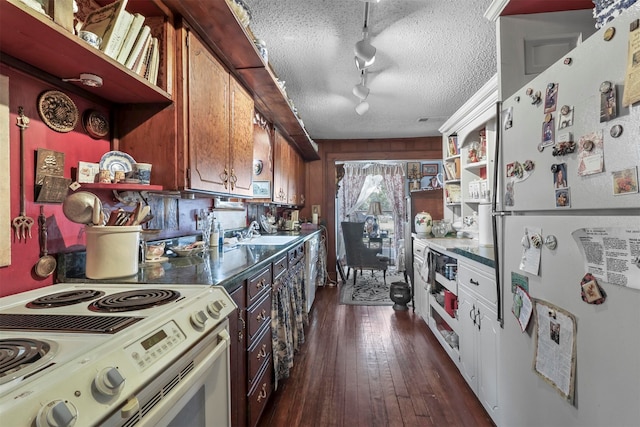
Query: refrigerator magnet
x,y
566,117
563,199
625,181
615,131
591,291
547,132
609,33
550,97
608,102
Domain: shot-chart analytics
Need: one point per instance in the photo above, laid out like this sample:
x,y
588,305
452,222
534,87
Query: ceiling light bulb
x,y
362,107
361,91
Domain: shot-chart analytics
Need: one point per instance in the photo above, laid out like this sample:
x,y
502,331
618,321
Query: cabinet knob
x,y
263,392
262,315
263,352
233,179
224,176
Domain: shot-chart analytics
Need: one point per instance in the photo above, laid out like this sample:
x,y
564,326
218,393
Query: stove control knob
x,y
214,309
57,413
198,319
109,381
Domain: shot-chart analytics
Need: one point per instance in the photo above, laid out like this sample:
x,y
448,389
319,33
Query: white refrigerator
x,y
567,233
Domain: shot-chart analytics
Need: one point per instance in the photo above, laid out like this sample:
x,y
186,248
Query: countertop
x,y
226,268
468,248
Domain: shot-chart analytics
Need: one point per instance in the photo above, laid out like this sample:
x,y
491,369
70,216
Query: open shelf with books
x,y
470,133
60,53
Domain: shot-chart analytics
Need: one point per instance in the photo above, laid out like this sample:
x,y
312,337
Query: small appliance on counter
x,y
293,223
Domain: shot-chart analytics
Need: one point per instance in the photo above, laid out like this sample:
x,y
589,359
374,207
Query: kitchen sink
x,y
268,240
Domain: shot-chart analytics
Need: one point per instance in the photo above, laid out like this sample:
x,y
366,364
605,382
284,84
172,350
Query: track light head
x,y
362,65
365,51
361,91
362,107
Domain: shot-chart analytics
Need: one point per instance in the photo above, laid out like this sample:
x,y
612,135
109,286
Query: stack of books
x,y
452,169
126,37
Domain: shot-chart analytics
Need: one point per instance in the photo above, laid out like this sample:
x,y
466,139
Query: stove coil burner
x,y
133,300
20,352
61,299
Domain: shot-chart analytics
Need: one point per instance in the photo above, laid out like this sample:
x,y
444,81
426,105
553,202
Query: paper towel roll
x,y
485,234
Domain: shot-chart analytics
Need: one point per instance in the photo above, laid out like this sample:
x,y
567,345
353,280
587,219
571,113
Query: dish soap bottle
x,y
220,237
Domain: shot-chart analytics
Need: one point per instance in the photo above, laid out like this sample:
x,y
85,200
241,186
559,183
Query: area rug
x,y
369,289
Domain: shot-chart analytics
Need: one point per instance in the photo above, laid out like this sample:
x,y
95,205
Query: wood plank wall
x,y
320,174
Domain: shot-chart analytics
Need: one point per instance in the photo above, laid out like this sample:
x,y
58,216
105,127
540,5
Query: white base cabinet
x,y
479,333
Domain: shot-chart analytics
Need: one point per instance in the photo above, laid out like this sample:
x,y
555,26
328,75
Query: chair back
x,y
358,255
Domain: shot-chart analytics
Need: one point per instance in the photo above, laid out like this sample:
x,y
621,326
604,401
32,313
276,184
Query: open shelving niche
x,y
65,55
441,322
478,113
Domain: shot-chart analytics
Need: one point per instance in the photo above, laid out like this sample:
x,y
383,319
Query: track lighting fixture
x,y
365,51
360,90
362,107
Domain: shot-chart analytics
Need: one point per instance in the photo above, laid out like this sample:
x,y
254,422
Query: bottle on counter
x,y
220,237
215,239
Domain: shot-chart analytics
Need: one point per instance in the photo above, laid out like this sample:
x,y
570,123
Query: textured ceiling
x,y
432,55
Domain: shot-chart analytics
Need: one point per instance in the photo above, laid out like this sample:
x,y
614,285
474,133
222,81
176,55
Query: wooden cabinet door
x,y
208,119
300,179
293,170
241,140
280,167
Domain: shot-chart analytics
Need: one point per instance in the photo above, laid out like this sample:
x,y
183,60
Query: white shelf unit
x,y
443,324
478,113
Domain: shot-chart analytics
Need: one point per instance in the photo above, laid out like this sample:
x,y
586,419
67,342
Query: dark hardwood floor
x,y
371,366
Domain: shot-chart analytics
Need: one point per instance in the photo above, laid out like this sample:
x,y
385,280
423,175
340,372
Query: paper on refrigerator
x,y
611,254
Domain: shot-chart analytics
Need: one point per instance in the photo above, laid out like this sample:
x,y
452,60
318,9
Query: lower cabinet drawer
x,y
280,266
259,352
478,282
259,395
259,315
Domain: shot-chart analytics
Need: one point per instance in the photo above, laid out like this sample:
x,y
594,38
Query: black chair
x,y
359,256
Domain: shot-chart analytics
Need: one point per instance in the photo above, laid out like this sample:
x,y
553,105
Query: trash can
x,y
112,251
400,294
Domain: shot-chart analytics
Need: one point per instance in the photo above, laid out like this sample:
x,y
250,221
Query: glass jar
x,y
439,228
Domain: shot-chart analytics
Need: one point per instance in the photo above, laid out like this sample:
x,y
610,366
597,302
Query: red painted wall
x,y
77,145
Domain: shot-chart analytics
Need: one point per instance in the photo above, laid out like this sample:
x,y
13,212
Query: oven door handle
x,y
153,418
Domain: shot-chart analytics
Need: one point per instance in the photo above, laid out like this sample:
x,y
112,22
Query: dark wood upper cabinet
x,y
219,28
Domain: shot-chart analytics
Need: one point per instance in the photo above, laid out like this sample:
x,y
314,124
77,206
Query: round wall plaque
x,y
57,111
95,123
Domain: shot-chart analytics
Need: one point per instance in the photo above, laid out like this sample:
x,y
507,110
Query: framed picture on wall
x,y
413,170
262,188
429,169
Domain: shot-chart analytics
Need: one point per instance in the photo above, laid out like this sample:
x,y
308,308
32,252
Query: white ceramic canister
x,y
423,223
112,251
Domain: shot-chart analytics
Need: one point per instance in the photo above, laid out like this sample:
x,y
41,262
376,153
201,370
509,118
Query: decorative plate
x,y
257,167
95,123
117,161
58,111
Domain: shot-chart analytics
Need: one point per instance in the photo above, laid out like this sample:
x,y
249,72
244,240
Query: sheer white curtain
x,y
359,182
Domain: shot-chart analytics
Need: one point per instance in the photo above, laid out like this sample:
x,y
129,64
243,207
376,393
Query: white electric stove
x,y
86,354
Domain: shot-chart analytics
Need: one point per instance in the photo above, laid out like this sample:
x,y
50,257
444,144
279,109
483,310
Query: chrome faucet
x,y
253,230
